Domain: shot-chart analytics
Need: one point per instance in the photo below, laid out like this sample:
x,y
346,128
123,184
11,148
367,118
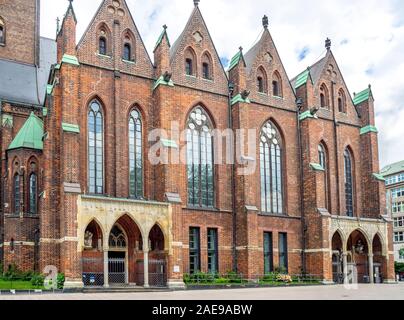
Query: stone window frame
x,y
33,171
349,165
324,161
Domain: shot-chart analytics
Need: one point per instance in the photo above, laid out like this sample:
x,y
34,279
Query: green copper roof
x,y
362,96
393,169
302,78
239,98
72,128
162,82
316,167
379,177
368,129
30,135
161,37
70,60
235,60
307,115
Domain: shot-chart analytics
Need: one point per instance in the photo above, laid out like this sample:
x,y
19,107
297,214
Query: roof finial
x,y
265,22
196,2
165,27
240,48
328,44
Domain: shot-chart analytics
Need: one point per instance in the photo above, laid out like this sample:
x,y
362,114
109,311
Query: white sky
x,y
367,35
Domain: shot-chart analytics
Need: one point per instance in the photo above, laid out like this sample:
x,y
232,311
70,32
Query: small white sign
x,y
177,269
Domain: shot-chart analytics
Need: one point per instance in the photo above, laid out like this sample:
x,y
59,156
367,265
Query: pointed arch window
x,y
33,194
17,193
271,170
324,99
349,184
127,52
189,71
102,46
117,238
200,167
207,66
277,85
2,32
95,149
190,62
261,80
323,161
135,155
341,101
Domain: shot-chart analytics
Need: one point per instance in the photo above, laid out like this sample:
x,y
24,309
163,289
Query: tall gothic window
x,y
323,161
33,194
341,101
95,149
200,170
135,155
349,186
17,193
324,99
271,170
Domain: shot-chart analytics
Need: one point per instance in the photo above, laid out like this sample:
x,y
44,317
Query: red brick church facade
x,y
78,190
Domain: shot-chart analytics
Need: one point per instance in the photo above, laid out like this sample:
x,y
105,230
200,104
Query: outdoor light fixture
x,y
231,87
299,103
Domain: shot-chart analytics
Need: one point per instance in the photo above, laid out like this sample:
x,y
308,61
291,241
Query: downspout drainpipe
x,y
299,103
233,185
336,149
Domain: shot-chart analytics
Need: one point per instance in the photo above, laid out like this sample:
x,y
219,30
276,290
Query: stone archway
x,y
92,255
337,257
359,247
125,246
379,260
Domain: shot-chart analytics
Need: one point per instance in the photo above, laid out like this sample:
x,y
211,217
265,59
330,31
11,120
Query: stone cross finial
x,y
241,48
196,2
265,22
328,44
165,27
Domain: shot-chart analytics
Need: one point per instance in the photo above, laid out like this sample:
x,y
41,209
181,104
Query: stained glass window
x,y
349,187
135,155
95,149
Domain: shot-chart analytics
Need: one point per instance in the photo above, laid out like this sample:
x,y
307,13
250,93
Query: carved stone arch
x,y
324,95
383,243
96,224
205,110
163,231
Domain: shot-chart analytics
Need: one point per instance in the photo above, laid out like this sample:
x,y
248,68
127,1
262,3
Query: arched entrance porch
x,y
379,260
358,265
154,270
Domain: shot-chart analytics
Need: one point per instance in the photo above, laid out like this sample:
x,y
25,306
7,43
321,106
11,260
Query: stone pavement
x,y
363,292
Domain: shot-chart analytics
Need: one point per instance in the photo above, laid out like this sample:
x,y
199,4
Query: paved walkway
x,y
363,292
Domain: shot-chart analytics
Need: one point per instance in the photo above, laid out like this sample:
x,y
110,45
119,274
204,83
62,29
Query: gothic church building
x,y
78,190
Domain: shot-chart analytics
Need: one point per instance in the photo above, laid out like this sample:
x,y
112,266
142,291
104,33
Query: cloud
x,y
368,41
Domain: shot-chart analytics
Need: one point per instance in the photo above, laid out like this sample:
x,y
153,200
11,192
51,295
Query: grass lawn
x,y
17,285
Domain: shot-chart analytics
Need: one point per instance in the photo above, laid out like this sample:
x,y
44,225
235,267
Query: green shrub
x,y
60,280
399,267
37,280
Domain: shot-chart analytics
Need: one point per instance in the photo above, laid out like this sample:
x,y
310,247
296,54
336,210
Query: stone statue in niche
x,y
88,240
